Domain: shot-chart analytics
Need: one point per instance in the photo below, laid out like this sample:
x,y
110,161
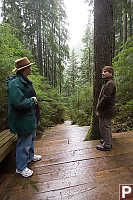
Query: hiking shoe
x,y
25,172
102,142
36,158
103,148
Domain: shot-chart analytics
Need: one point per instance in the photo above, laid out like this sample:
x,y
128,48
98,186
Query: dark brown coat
x,y
106,101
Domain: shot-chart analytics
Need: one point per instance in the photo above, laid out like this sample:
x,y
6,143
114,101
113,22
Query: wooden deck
x,y
71,169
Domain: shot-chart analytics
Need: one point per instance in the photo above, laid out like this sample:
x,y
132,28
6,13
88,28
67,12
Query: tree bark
x,y
39,40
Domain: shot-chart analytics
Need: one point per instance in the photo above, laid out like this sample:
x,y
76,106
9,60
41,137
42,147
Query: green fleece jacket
x,y
21,106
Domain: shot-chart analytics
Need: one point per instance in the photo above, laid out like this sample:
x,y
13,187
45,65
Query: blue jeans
x,y
24,150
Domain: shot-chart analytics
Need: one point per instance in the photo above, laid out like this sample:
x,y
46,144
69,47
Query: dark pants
x,y
105,131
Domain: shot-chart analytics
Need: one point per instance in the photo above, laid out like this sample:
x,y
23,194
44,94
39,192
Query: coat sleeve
x,y
17,98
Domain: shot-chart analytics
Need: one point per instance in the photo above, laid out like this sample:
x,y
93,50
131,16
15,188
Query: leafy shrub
x,y
123,64
80,118
81,106
124,118
51,108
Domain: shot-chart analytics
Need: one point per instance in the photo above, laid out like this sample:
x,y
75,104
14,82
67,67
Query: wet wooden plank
x,y
78,191
70,169
77,172
78,133
43,146
82,154
50,143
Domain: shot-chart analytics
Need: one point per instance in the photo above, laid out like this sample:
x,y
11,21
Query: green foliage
x,y
42,29
123,64
77,91
80,117
87,63
124,118
51,108
80,105
122,21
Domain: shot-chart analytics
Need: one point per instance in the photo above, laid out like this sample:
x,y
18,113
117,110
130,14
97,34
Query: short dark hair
x,y
110,69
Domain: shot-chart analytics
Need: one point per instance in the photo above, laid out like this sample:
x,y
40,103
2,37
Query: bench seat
x,y
7,143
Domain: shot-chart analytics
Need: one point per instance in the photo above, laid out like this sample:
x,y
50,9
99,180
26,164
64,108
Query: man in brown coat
x,y
105,108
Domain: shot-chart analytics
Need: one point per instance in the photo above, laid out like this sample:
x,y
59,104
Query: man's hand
x,y
35,100
97,114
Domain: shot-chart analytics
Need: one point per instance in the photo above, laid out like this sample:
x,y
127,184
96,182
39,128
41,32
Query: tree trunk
x,y
103,35
130,18
89,66
113,42
124,28
39,40
121,28
55,73
125,23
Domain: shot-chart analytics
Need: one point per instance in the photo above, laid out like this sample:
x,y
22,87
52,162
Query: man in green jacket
x,y
23,115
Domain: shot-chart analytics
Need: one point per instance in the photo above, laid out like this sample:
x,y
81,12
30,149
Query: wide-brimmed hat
x,y
21,64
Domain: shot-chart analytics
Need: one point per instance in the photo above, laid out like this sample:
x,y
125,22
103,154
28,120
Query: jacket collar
x,y
105,80
24,79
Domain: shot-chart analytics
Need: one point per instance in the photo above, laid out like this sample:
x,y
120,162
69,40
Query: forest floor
x,y
71,169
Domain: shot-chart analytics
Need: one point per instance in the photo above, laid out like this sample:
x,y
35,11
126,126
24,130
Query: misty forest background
x,y
68,82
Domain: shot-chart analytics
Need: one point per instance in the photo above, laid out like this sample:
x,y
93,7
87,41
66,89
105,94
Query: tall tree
x,y
125,23
42,29
103,36
123,16
71,75
86,66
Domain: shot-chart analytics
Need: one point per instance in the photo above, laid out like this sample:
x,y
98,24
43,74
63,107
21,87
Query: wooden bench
x,y
7,143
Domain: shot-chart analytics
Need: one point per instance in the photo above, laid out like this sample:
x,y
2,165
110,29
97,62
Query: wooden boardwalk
x,y
70,169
